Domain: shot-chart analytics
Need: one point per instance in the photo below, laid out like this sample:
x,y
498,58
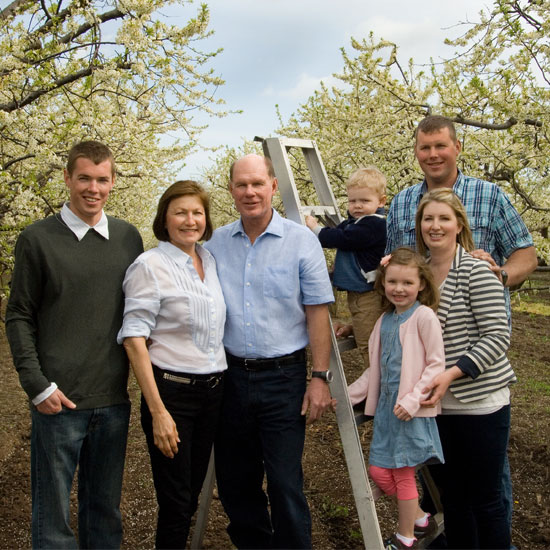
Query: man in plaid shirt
x,y
499,232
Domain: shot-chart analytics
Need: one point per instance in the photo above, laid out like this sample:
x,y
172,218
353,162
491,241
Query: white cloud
x,y
302,89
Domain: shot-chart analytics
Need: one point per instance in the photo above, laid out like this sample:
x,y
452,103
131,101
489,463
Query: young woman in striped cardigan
x,y
474,389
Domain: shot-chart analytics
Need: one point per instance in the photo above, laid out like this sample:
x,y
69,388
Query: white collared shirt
x,y
166,301
80,227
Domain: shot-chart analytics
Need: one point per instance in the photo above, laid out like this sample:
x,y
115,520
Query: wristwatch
x,y
325,375
504,276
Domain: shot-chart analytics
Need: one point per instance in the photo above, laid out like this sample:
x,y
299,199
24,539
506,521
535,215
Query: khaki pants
x,y
365,308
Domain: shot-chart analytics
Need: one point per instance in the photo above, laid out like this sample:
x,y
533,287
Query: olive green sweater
x,y
65,309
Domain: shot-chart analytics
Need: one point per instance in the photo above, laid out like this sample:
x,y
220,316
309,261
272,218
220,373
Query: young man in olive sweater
x,y
62,318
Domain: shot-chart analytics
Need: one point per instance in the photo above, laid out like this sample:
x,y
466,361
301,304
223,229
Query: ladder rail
x,y
285,178
204,505
321,181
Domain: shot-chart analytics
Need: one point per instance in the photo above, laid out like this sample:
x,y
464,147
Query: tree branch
x,y
492,126
60,18
102,17
34,38
15,161
45,9
10,10
68,79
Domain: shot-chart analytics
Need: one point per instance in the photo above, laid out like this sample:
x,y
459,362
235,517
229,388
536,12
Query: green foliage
x,y
538,387
332,511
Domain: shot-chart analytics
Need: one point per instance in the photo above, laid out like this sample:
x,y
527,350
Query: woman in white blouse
x,y
173,327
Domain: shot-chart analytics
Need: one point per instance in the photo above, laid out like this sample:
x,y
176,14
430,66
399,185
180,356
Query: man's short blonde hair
x,y
369,177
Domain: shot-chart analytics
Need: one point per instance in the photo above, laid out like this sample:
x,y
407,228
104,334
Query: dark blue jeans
x,y
507,499
474,447
262,431
95,441
178,481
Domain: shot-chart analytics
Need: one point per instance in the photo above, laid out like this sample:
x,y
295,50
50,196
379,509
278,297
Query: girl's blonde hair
x,y
448,197
429,295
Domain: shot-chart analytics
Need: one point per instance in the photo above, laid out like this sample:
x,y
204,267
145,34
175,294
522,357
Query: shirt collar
x,y
179,256
80,227
457,185
275,226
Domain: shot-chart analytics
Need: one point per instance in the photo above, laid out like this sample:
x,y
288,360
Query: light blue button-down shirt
x,y
267,284
496,225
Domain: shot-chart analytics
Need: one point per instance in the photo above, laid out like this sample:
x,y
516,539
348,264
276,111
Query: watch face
x,y
325,375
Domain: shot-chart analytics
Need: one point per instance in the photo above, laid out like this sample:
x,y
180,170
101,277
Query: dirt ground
x,y
335,523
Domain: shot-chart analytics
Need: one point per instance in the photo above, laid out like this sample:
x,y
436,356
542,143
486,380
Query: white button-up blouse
x,y
166,301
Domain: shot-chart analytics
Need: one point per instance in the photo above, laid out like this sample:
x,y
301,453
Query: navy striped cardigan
x,y
476,335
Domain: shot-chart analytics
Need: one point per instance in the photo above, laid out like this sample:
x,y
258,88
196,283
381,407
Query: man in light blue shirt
x,y
277,289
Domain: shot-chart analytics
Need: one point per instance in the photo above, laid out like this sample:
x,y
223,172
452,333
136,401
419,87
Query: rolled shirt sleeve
x,y
141,303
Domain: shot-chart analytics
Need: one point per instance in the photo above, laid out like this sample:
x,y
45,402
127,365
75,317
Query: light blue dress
x,y
397,443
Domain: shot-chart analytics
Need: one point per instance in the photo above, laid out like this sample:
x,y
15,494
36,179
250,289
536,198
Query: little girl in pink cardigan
x,y
406,352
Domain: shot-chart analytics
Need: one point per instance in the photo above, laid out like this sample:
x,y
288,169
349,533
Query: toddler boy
x,y
360,242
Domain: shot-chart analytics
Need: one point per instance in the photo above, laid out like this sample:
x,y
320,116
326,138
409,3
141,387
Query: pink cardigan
x,y
423,358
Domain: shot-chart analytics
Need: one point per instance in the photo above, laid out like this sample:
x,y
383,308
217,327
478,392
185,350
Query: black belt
x,y
210,380
266,364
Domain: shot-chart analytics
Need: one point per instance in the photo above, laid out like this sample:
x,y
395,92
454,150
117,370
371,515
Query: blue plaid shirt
x,y
496,225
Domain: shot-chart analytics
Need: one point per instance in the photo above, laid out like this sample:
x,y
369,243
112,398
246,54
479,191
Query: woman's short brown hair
x,y
175,191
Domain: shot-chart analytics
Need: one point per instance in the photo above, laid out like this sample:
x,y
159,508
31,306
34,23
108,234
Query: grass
x,y
530,305
532,298
538,386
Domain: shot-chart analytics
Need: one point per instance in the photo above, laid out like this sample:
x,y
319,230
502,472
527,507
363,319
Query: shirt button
x,y
249,265
249,345
247,304
247,284
247,324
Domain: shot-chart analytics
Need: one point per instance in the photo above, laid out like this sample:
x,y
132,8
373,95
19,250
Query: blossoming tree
x,y
112,70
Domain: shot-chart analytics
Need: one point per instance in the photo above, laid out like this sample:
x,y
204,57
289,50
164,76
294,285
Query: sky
x,y
276,52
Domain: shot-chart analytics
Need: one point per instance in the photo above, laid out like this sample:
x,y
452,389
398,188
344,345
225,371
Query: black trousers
x,y
474,447
178,481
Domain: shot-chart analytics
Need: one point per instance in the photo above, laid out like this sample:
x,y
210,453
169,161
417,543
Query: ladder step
x,y
318,210
346,344
297,142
